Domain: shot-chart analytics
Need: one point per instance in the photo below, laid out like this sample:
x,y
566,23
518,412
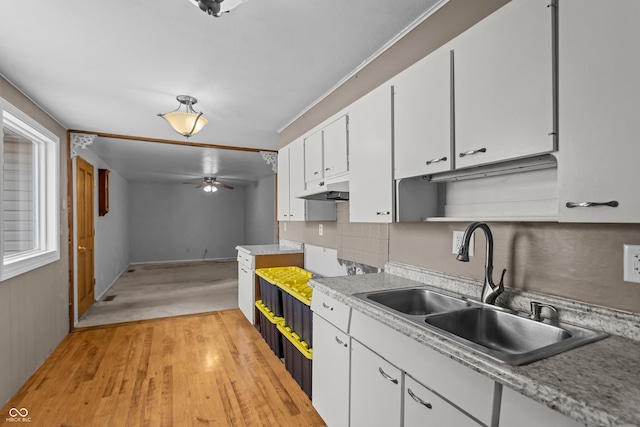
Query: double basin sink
x,y
501,334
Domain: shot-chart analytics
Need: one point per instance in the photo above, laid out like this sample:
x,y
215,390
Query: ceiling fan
x,y
209,184
217,7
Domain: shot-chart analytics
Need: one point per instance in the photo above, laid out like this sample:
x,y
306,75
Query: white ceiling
x,y
111,66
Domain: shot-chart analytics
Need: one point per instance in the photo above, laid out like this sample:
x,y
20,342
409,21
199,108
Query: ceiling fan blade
x,y
220,184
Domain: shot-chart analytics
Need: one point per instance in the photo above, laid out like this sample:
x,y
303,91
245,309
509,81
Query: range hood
x,y
331,192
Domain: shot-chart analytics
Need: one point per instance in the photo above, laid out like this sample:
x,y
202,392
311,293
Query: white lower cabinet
x,y
330,386
423,408
520,411
376,389
246,285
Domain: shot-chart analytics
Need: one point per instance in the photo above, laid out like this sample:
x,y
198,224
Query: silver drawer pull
x,y
383,213
470,152
344,344
417,399
243,270
329,169
387,376
316,173
327,306
613,204
441,159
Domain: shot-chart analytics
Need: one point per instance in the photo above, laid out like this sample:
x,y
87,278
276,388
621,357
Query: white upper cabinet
x,y
326,152
336,154
599,107
422,116
291,182
296,180
504,85
283,184
370,177
313,157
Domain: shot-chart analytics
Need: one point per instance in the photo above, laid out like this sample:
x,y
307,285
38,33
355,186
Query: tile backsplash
x,y
361,242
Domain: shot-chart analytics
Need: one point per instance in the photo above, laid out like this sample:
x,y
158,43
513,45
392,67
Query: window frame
x,y
47,178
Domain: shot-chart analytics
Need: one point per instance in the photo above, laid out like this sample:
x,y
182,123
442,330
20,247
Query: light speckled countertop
x,y
597,384
273,249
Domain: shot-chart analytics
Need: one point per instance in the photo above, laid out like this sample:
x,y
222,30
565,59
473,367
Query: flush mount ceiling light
x,y
217,7
187,122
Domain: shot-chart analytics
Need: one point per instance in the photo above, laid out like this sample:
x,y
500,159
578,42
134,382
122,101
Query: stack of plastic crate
x,y
295,299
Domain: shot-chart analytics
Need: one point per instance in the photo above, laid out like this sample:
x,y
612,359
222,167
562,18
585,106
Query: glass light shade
x,y
183,122
210,189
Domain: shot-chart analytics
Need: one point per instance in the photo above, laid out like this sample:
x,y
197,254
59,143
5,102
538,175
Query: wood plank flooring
x,y
202,370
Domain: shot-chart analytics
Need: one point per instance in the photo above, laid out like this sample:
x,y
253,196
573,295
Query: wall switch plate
x,y
457,242
284,226
632,263
320,230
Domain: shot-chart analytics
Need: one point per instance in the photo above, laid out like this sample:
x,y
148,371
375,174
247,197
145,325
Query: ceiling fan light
x,y
210,188
187,122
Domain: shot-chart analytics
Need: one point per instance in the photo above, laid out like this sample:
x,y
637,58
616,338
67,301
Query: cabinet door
x,y
313,157
520,411
423,408
336,148
330,373
246,292
422,116
296,180
503,85
375,389
599,105
370,177
283,184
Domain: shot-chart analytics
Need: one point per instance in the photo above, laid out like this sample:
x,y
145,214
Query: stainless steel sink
x,y
501,334
417,301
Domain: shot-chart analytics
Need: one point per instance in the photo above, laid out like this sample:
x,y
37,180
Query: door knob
x,y
82,248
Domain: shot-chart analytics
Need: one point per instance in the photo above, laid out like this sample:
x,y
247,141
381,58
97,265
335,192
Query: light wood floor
x,y
201,370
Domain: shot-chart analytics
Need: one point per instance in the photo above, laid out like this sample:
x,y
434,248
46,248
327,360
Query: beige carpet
x,y
150,291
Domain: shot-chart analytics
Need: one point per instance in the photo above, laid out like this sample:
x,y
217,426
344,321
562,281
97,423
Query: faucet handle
x,y
501,284
536,309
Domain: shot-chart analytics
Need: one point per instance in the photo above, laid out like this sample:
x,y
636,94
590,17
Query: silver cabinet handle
x,y
383,213
316,173
441,159
329,169
387,376
327,306
243,270
613,204
417,399
344,344
470,152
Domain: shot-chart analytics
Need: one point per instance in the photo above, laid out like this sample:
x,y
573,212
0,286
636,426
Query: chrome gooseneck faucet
x,y
490,290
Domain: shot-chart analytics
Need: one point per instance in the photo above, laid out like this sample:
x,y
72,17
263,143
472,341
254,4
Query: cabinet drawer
x,y
246,260
335,312
424,407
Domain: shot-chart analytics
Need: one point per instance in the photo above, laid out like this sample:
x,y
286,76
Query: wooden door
x,y
85,232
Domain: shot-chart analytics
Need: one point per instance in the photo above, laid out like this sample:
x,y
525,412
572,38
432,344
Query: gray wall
x,y
111,244
260,212
34,311
577,261
171,222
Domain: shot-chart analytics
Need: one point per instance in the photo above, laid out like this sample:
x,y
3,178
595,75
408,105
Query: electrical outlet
x,y
320,230
457,242
632,263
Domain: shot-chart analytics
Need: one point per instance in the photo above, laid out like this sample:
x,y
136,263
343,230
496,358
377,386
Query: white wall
x,y
260,212
111,243
172,222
